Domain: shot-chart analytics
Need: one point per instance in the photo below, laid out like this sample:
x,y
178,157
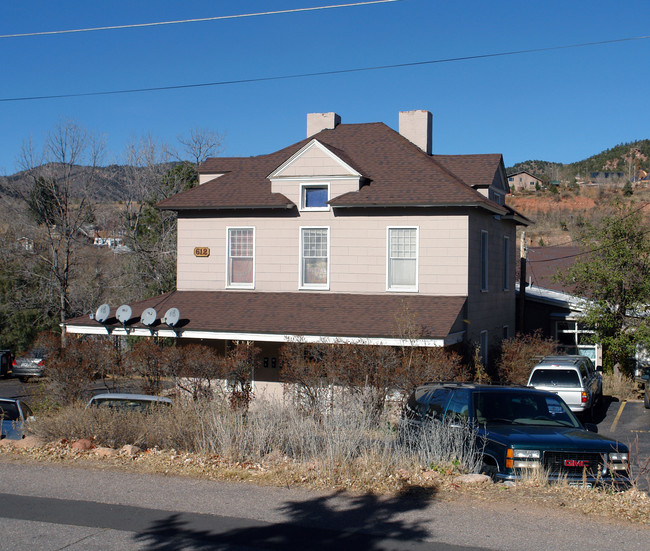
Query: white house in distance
x,y
334,238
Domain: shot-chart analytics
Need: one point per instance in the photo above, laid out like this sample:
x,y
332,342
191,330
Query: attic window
x,y
314,196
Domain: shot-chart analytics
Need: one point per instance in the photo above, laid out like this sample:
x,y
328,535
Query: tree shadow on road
x,y
333,522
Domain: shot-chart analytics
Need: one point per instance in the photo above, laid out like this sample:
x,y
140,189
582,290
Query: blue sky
x,y
562,105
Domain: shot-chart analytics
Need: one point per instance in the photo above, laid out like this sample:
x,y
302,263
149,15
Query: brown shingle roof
x,y
338,315
545,262
397,173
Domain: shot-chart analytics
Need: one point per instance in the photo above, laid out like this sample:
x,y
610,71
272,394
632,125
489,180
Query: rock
x,y
469,479
28,442
82,444
430,475
105,452
130,450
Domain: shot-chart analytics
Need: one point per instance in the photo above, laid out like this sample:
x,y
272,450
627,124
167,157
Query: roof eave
x,y
230,207
492,208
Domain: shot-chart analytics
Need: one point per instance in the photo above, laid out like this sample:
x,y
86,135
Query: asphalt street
x,y
52,507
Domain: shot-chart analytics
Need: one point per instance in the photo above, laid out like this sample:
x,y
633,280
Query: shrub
x,y
71,370
520,354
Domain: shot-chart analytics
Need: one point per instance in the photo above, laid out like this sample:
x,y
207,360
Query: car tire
x,y
489,470
23,379
646,399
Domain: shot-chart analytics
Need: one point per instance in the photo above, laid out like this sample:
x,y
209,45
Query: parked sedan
x,y
30,365
520,430
14,413
129,402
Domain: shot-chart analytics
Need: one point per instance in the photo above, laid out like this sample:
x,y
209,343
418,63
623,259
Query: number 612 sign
x,y
202,251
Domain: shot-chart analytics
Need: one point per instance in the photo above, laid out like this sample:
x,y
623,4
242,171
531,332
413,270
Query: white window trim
x,y
239,285
485,264
410,288
321,287
506,263
306,185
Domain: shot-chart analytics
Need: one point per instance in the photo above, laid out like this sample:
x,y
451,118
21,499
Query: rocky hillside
x,y
627,158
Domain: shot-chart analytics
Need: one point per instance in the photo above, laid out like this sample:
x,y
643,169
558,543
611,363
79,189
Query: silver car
x,y
573,378
30,365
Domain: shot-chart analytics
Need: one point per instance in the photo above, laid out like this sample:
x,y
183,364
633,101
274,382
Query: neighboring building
x,y
551,306
337,238
523,181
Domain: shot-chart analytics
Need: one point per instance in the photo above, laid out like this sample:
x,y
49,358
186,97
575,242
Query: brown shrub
x,y
520,354
71,370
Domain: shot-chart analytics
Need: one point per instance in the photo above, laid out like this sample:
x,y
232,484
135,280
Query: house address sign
x,y
202,251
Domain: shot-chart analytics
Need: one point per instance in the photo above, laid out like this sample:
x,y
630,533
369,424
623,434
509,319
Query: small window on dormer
x,y
314,197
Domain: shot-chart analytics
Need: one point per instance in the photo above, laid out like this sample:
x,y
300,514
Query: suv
x,y
574,378
519,429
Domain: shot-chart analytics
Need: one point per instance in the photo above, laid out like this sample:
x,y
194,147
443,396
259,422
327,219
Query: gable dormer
x,y
313,176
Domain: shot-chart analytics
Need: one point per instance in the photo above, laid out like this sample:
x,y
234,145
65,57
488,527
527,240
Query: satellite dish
x,y
148,316
171,317
123,313
102,313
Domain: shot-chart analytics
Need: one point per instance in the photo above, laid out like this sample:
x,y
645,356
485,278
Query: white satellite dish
x,y
148,316
102,313
123,313
171,317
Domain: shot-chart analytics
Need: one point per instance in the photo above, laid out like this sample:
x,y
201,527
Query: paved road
x,y
629,422
50,507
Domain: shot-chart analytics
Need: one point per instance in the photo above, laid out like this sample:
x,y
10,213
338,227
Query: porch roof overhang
x,y
285,317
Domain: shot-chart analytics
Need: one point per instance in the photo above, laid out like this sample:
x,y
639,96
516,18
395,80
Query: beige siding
x,y
358,252
315,162
492,309
291,188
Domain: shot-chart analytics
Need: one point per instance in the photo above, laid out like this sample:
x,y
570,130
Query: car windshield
x,y
9,411
522,408
127,404
567,378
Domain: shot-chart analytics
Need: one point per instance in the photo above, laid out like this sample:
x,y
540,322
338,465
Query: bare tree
x,y
150,234
58,199
200,144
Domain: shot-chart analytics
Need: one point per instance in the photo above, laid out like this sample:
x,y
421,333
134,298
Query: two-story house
x,y
524,181
337,238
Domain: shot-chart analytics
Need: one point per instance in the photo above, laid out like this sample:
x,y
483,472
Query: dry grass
x,y
275,445
621,387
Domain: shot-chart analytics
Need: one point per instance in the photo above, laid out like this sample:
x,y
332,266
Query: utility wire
x,y
324,73
199,20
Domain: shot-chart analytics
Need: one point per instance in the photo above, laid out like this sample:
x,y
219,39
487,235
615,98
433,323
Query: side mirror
x,y
591,427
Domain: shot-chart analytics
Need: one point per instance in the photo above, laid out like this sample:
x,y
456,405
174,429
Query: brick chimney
x,y
321,121
417,127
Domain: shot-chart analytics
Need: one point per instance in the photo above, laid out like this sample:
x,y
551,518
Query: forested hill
x,y
627,158
102,184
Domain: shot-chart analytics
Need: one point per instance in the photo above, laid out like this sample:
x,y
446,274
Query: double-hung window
x,y
506,263
314,258
484,261
402,259
241,257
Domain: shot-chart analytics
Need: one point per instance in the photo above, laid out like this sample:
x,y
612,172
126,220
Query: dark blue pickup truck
x,y
520,429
